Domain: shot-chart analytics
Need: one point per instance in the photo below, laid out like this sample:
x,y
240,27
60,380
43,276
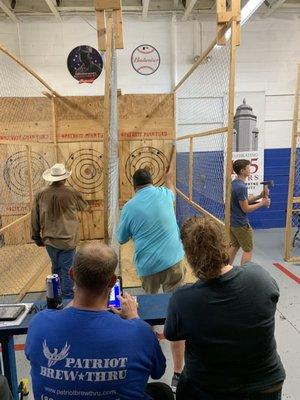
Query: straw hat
x,y
56,173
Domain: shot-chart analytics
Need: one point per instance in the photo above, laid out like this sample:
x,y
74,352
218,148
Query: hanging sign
x,y
85,64
145,59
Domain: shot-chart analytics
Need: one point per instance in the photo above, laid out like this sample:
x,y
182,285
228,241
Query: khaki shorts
x,y
242,237
170,279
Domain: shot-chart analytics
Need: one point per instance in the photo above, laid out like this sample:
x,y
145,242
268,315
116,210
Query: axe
x,y
267,184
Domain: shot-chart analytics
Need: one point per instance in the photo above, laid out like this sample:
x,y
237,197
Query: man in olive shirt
x,y
55,224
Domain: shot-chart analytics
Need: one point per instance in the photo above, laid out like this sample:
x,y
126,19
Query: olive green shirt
x,y
54,218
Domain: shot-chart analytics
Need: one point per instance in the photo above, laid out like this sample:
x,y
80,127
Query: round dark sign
x,y
145,59
85,64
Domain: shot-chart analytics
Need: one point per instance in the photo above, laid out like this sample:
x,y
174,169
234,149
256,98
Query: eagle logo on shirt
x,y
56,356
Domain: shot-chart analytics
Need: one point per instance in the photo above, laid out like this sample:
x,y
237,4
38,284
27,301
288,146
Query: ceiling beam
x,y
274,7
189,7
53,9
145,9
8,12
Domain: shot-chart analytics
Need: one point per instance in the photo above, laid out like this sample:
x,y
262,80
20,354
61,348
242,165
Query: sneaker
x,y
175,381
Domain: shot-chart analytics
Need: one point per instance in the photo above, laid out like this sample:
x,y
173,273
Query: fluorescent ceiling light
x,y
249,9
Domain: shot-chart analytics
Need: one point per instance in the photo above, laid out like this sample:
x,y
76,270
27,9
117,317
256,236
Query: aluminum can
x,y
53,292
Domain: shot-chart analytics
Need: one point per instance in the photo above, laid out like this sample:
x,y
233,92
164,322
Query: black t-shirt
x,y
228,325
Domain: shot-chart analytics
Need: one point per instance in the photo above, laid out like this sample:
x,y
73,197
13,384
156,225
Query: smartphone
x,y
113,300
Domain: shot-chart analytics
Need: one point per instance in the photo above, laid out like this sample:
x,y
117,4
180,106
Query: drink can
x,y
53,292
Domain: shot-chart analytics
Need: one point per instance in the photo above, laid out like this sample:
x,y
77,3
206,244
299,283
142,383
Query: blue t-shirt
x,y
239,192
149,220
76,354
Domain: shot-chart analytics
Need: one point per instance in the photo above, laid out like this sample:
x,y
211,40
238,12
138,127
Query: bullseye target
x,y
87,170
147,158
15,172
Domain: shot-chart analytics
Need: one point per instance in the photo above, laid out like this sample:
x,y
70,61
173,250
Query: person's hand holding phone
x,y
128,307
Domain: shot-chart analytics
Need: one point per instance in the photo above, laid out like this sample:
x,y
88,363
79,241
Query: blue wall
x,y
276,168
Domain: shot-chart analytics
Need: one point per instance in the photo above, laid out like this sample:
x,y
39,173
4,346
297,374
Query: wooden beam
x,y
118,28
106,123
191,169
198,207
221,10
231,95
236,15
54,128
8,12
16,222
103,5
288,224
101,30
145,9
207,133
47,94
28,69
53,10
29,176
189,7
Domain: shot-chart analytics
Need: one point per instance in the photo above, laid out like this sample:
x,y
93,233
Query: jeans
x,y
185,392
159,391
61,263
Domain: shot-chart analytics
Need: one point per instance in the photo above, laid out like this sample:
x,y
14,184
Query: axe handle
x,y
171,157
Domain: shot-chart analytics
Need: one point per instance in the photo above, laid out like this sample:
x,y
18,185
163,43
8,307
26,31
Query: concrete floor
x,y
268,249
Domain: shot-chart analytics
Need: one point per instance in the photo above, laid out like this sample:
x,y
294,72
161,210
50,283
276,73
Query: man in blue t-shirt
x,y
149,220
85,351
241,233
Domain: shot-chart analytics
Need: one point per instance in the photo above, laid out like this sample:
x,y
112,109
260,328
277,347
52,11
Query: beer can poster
x,y
145,59
85,64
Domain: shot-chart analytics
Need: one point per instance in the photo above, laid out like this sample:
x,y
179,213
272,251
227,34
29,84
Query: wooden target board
x,y
147,132
85,160
154,155
15,175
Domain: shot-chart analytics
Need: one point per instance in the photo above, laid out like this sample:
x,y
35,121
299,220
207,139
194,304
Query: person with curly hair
x,y
227,321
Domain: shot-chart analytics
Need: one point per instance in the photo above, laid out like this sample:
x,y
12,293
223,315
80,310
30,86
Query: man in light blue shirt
x,y
149,220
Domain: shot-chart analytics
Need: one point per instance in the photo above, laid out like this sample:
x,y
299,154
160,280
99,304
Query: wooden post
x,y
104,9
191,166
101,30
291,199
231,94
221,11
54,128
106,122
118,27
171,157
30,182
236,13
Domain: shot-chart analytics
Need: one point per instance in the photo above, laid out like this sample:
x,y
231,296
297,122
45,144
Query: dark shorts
x,y
170,279
185,391
242,237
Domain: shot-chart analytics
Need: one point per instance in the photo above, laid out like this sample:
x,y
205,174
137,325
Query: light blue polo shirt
x,y
149,220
